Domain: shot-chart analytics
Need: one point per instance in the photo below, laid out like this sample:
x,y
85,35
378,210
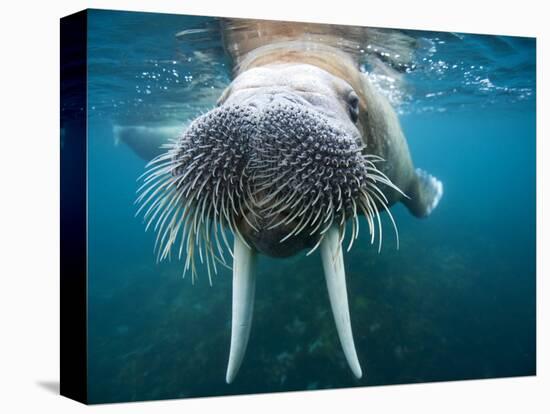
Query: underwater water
x,y
457,299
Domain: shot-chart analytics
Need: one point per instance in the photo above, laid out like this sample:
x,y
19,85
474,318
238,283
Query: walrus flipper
x,y
424,193
146,141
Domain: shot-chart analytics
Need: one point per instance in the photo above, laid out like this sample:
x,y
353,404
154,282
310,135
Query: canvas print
x,y
273,206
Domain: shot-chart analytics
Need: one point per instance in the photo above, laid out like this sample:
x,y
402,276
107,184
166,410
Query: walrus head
x,y
281,163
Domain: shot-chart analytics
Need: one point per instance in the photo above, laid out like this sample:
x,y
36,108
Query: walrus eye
x,y
353,106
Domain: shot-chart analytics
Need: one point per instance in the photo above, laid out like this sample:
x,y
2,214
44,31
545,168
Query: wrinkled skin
x,y
302,84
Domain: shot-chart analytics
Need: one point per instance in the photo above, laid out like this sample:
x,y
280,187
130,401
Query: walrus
x,y
299,147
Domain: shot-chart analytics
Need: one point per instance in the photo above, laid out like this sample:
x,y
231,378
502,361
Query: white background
x,y
29,206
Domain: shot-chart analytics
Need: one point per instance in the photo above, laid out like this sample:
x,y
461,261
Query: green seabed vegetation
x,y
422,313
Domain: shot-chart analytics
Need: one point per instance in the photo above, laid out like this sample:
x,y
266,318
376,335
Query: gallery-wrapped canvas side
x,y
73,260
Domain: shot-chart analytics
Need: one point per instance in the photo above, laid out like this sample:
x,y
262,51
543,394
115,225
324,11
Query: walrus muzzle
x,y
282,177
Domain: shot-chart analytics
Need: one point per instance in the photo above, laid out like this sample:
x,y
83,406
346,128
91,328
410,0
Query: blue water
x,y
456,301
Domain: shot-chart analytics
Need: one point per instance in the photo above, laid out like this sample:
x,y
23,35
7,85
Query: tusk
x,y
244,283
335,275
